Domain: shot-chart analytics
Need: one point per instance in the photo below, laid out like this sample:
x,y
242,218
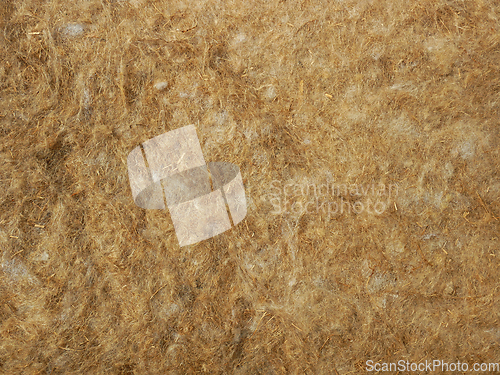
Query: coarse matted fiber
x,y
401,95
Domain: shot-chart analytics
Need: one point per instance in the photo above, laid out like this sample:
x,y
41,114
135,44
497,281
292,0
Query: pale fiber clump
x,y
351,92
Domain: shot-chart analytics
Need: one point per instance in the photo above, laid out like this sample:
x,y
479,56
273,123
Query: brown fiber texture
x,y
396,94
